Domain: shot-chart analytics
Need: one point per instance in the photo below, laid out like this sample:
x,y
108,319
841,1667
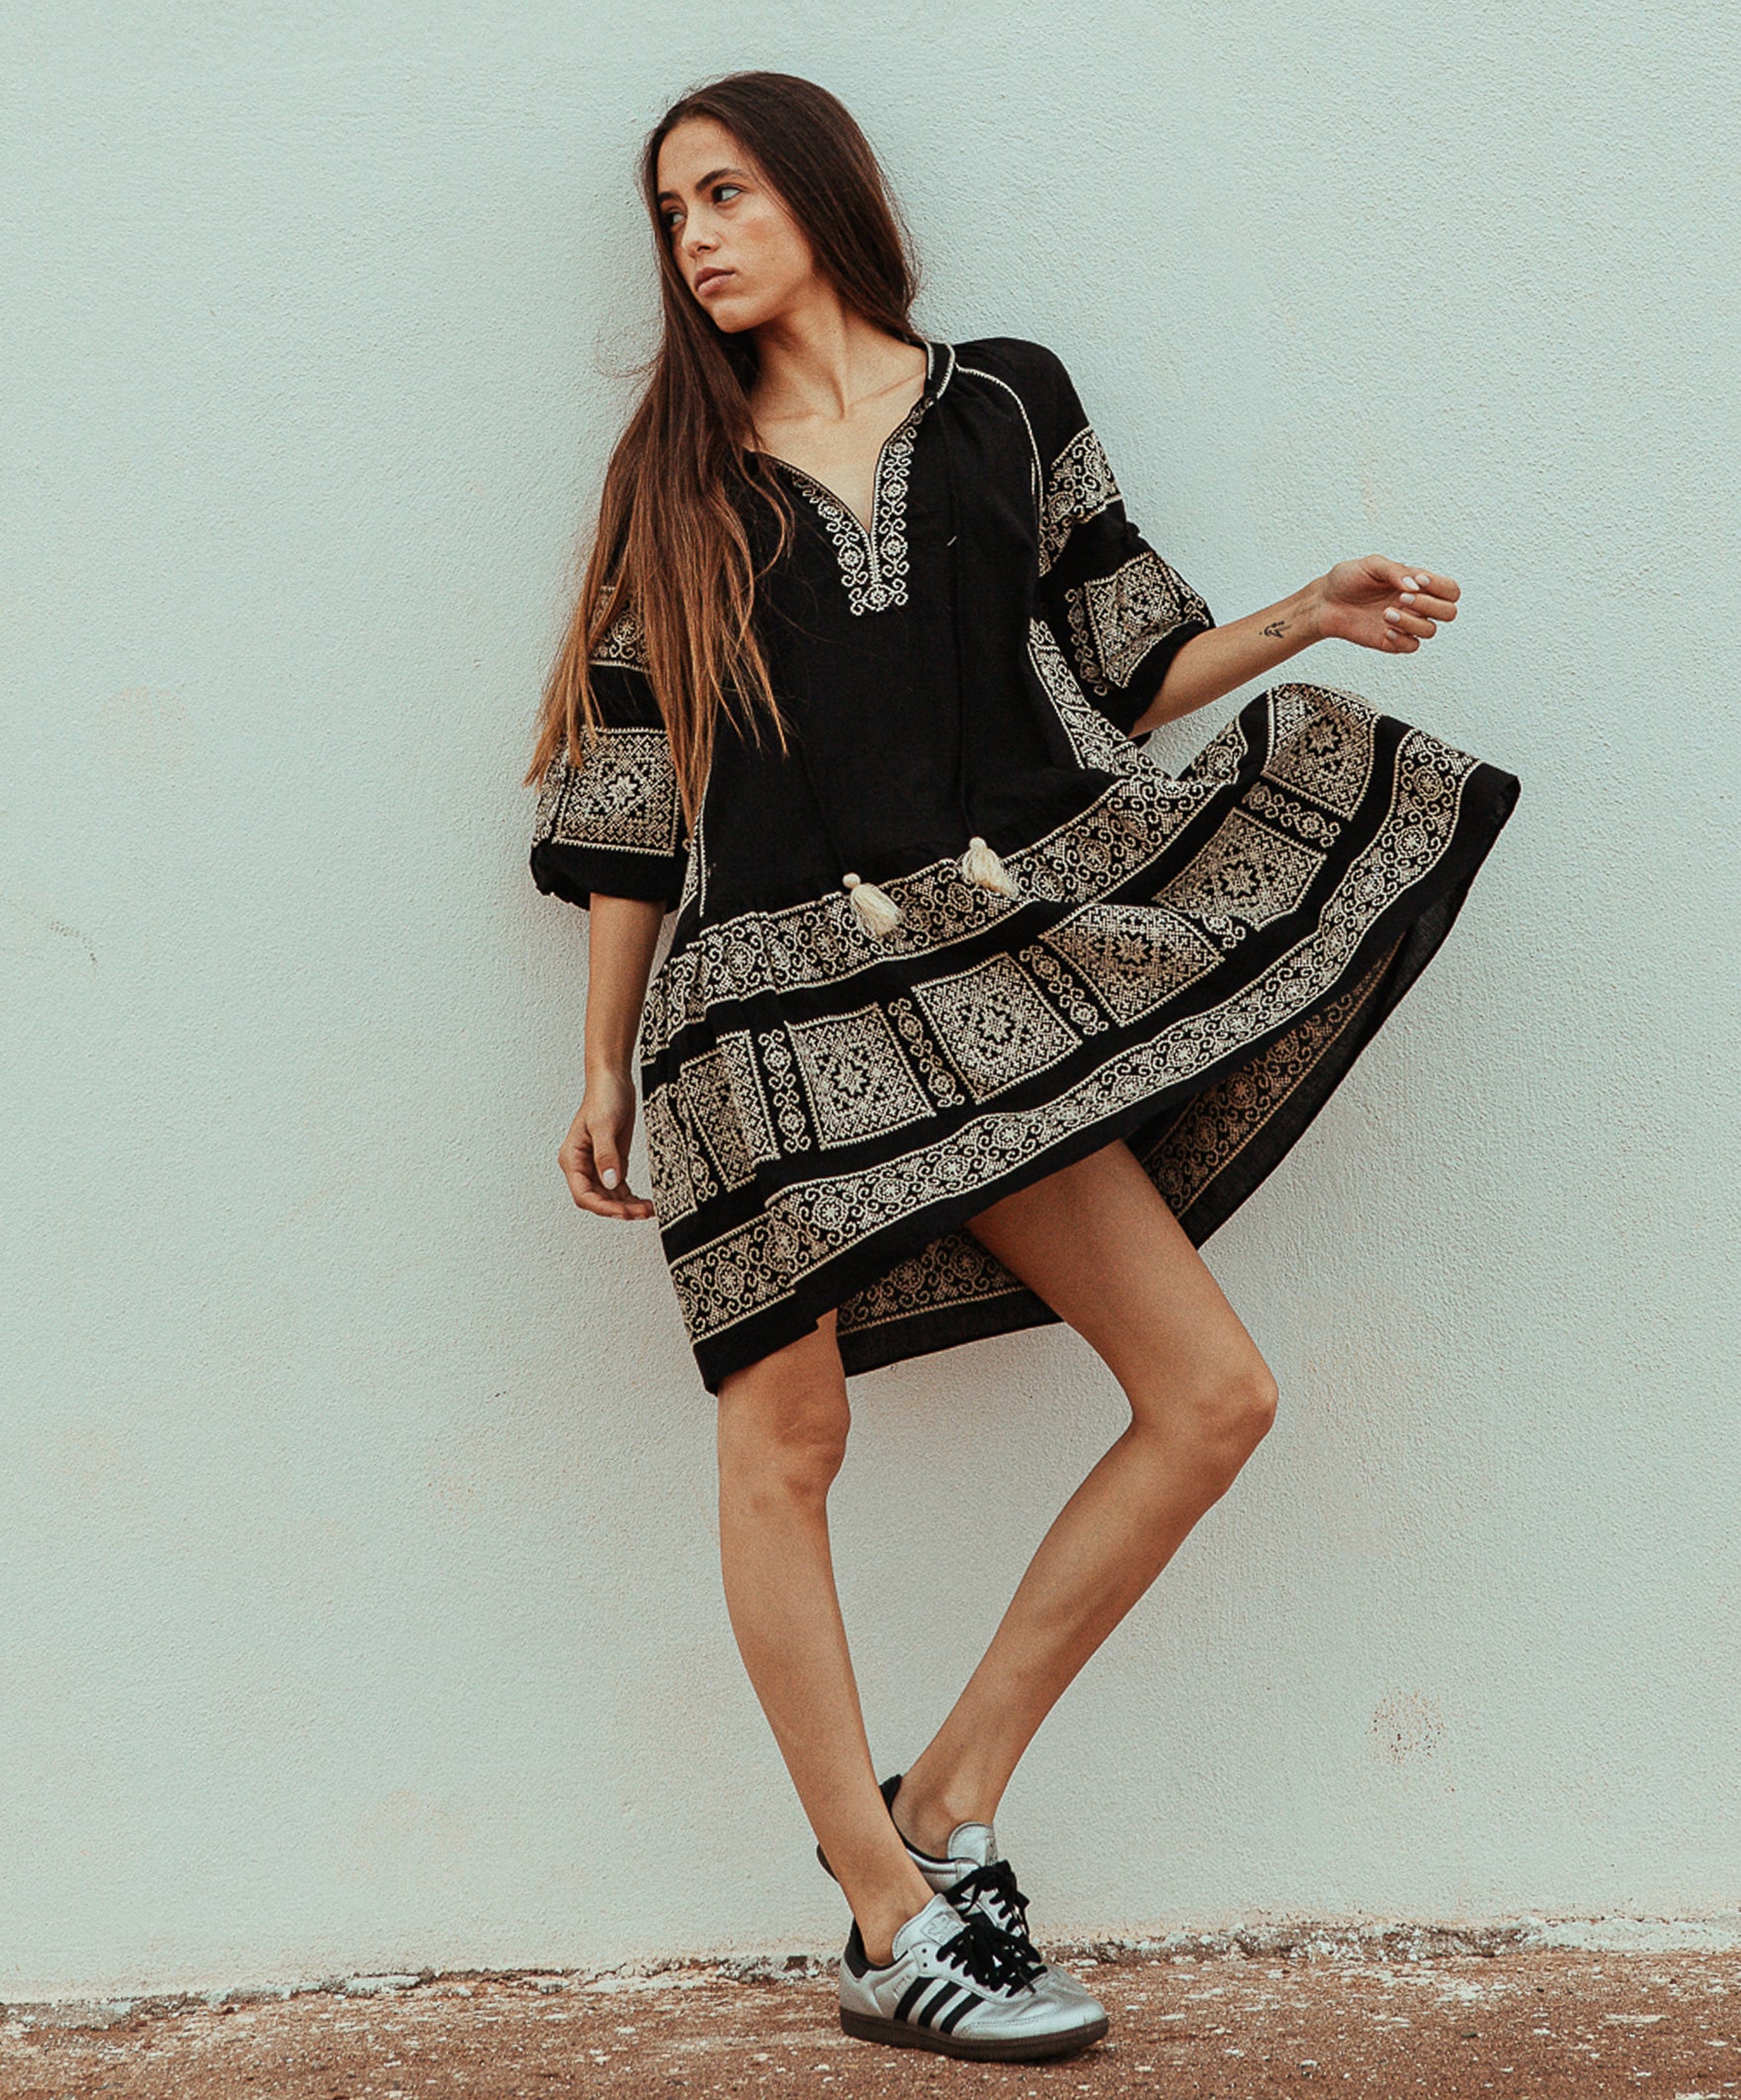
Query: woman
x,y
973,1018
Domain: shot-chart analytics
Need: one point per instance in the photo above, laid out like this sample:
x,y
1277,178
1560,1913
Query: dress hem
x,y
1406,937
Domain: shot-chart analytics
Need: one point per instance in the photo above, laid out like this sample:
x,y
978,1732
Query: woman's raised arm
x,y
1376,602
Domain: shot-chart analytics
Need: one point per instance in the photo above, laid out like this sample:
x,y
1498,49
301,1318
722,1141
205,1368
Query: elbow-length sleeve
x,y
1119,612
615,821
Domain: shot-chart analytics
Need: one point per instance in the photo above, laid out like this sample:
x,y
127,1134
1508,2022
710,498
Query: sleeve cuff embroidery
x,y
1115,619
622,798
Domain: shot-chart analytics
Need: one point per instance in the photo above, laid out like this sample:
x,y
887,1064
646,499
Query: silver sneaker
x,y
958,1985
975,1876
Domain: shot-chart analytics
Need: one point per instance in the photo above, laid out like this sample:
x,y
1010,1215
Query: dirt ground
x,y
1387,2020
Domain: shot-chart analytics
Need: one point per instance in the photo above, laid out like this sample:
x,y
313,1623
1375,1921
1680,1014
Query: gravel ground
x,y
1384,2019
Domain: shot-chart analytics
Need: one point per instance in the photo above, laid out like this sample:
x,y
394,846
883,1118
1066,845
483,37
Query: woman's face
x,y
740,252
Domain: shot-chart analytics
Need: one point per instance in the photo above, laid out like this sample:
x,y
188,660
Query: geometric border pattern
x,y
820,943
809,1223
855,1076
1321,745
996,1025
1080,486
1115,619
622,797
1132,957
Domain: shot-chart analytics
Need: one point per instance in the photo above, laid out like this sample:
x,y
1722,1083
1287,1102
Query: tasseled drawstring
x,y
878,911
875,910
980,863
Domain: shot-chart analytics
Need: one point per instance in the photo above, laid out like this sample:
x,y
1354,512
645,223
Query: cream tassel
x,y
980,864
878,913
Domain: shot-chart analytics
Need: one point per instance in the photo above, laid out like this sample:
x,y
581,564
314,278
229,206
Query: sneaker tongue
x,y
974,1843
938,1920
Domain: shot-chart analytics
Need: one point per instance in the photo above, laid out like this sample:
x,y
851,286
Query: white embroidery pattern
x,y
995,1025
956,1269
1321,744
1217,1123
1214,1128
1282,808
1115,619
622,798
706,1097
1080,486
623,645
1134,956
755,1118
858,1083
1097,742
680,1165
1246,872
789,1110
1063,989
806,1223
873,565
938,1076
725,1103
820,942
668,1157
716,1112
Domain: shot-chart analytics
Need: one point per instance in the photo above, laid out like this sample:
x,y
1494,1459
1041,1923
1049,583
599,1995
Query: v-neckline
x,y
831,496
872,557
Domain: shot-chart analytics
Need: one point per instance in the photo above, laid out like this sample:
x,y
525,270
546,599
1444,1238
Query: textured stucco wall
x,y
362,1606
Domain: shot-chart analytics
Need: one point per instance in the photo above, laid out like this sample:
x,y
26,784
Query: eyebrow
x,y
701,182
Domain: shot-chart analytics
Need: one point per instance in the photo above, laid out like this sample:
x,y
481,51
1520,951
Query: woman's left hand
x,y
1384,604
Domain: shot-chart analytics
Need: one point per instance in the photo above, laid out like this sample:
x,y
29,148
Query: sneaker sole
x,y
902,2033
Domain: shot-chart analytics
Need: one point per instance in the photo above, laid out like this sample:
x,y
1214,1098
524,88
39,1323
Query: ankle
x,y
879,1921
925,1816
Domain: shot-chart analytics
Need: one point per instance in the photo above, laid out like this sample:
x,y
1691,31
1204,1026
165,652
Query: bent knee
x,y
781,1436
1228,1412
1240,1407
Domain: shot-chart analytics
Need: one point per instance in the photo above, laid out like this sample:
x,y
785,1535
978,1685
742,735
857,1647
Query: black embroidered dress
x,y
1191,961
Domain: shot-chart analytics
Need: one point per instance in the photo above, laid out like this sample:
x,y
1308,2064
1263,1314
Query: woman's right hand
x,y
597,1146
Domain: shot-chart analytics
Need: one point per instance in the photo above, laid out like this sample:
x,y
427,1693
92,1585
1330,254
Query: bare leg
x,y
1099,1244
782,1431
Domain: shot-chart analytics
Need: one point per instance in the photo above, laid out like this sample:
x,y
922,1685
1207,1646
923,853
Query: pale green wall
x,y
362,1606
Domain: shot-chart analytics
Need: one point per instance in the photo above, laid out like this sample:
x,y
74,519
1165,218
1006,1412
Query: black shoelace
x,y
989,1955
997,1880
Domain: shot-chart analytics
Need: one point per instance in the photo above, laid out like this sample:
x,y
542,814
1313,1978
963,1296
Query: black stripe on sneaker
x,y
909,1997
890,1788
970,1998
926,2015
939,1859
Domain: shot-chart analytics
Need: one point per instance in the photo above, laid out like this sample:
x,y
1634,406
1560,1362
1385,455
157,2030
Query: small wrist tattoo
x,y
1276,627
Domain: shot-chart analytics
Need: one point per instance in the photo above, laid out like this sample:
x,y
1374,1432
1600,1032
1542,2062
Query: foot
x,y
974,1876
956,1984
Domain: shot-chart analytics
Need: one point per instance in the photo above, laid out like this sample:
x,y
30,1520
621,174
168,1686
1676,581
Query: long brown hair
x,y
671,547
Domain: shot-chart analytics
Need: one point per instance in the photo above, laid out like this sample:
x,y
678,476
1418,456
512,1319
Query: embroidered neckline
x,y
873,563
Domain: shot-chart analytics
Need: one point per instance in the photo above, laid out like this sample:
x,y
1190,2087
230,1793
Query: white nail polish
x,y
608,1177
1408,596
1391,612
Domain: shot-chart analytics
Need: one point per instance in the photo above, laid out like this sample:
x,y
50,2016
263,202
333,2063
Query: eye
x,y
722,191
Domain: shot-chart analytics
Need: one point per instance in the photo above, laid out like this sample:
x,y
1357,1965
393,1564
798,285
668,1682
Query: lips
x,y
705,279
